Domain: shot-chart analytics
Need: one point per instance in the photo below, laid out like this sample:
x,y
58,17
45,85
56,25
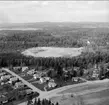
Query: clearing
x,y
52,52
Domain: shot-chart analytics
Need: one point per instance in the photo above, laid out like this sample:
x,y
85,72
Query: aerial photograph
x,y
54,52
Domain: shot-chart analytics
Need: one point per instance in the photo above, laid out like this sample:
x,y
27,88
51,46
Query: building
x,y
24,68
51,80
1,74
44,79
13,79
5,77
19,84
3,99
75,79
31,72
36,76
28,91
51,85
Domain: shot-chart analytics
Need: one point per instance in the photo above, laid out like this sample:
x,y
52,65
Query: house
x,y
13,79
36,76
1,74
3,99
47,78
17,68
75,79
5,77
28,91
31,72
52,84
24,68
51,80
19,84
95,73
44,79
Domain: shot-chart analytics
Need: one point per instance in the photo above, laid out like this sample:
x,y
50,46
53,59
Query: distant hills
x,y
55,24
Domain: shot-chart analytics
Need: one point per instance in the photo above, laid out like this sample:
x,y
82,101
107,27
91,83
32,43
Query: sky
x,y
53,11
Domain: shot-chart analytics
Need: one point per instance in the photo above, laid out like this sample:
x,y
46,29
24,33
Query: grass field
x,y
89,94
52,52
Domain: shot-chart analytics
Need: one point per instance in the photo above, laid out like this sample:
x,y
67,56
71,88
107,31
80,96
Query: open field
x,y
52,52
94,98
95,93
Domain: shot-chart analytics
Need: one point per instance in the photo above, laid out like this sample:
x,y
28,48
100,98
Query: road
x,y
24,81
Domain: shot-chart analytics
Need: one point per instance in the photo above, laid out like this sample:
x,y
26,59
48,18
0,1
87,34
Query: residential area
x,y
13,89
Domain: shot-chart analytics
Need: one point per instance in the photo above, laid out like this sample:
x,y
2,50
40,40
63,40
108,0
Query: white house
x,y
51,80
3,73
31,72
42,80
13,79
47,78
75,79
95,74
52,84
28,91
36,76
19,84
5,77
24,68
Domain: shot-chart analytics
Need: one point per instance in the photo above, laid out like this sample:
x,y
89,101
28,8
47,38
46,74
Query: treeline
x,y
20,40
82,61
41,102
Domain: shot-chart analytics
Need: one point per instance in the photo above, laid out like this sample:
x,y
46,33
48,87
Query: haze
x,y
53,11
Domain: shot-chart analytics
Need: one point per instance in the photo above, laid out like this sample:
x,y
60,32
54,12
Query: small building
x,y
5,77
28,91
51,80
52,84
3,99
36,76
44,79
47,78
13,79
24,68
75,79
2,73
19,84
31,72
95,74
16,68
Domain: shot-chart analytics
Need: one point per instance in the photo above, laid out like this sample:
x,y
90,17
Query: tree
x,y
35,102
38,102
57,103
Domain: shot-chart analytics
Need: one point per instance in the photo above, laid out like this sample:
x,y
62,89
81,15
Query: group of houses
x,y
38,75
6,78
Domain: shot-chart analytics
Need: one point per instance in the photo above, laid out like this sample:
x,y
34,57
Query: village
x,y
44,80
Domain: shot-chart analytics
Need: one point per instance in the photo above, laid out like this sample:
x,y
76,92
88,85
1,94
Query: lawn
x,y
40,86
